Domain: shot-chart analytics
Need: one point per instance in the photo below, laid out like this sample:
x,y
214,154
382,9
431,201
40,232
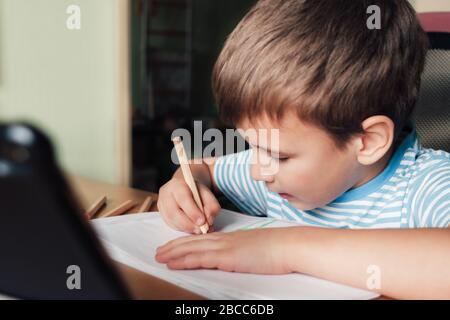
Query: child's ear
x,y
376,140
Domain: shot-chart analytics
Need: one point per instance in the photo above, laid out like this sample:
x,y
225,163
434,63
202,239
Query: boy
x,y
350,169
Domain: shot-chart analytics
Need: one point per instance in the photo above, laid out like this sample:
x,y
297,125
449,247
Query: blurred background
x,y
174,47
110,93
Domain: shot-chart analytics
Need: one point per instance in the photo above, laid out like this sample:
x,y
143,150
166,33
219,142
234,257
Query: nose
x,y
259,174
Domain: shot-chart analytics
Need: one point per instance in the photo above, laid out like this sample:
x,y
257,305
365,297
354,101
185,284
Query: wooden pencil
x,y
187,174
95,207
121,209
145,207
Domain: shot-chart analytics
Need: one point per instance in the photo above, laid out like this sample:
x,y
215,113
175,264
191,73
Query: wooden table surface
x,y
89,191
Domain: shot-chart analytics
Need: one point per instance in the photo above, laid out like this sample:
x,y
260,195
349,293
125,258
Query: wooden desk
x,y
141,285
89,191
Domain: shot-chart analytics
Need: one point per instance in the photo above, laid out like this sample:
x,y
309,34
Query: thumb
x,y
211,206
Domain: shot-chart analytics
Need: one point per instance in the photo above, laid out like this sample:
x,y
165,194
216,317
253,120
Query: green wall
x,y
64,80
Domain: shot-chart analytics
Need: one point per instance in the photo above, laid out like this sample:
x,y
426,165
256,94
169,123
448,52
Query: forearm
x,y
412,263
200,172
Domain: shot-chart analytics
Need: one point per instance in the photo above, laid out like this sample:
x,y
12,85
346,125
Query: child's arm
x,y
411,264
203,173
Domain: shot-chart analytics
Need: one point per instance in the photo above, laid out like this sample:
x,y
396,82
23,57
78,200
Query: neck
x,y
375,169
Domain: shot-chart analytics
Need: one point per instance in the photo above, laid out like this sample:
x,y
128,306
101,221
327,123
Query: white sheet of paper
x,y
133,239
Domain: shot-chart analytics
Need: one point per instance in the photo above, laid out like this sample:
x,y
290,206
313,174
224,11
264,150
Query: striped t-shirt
x,y
413,191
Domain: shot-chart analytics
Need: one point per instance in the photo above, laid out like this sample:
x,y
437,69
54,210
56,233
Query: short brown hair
x,y
319,58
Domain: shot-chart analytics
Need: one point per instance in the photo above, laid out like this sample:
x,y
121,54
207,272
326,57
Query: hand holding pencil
x,y
184,204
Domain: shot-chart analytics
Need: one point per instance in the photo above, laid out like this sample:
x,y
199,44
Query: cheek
x,y
296,176
335,177
316,179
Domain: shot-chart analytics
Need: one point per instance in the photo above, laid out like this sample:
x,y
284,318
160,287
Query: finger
x,y
162,211
183,240
187,248
186,202
211,206
174,214
198,260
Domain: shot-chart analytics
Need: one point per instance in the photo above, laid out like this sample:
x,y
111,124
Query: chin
x,y
301,206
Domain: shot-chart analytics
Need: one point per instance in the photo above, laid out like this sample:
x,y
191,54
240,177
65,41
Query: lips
x,y
282,194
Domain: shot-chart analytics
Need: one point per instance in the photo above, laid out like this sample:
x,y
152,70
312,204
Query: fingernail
x,y
200,221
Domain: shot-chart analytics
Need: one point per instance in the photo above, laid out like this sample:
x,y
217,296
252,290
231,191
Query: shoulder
x,y
429,189
430,163
232,174
232,164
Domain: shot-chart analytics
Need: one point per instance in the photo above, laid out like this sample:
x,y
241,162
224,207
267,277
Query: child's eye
x,y
281,159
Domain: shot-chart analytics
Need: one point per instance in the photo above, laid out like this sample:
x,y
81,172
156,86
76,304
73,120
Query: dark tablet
x,y
47,248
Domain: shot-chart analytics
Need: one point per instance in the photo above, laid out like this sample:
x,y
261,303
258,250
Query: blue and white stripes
x,y
413,191
232,176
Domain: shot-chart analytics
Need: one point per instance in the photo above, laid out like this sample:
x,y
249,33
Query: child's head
x,y
314,70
